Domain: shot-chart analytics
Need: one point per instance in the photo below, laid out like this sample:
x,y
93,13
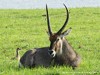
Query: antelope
x,y
60,49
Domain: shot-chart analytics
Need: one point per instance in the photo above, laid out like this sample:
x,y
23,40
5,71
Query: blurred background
x,y
34,4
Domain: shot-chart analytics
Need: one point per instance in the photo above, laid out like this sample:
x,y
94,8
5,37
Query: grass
x,y
26,29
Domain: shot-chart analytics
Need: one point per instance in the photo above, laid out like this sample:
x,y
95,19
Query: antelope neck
x,y
66,46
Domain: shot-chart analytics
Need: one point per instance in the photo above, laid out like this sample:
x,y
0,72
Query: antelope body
x,y
59,48
36,57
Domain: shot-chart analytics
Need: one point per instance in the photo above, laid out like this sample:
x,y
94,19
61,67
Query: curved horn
x,y
48,21
59,32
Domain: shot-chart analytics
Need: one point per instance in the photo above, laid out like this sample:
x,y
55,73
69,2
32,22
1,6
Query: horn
x,y
66,21
48,21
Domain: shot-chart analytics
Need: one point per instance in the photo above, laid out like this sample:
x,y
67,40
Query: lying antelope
x,y
59,48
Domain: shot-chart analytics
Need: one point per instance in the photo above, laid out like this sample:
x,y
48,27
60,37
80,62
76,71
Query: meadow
x,y
26,29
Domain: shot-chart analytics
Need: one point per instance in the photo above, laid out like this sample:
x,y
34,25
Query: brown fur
x,y
68,56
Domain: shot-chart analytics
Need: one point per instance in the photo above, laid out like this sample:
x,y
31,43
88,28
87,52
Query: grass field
x,y
27,29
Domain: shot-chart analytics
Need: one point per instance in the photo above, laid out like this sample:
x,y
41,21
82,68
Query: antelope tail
x,y
17,54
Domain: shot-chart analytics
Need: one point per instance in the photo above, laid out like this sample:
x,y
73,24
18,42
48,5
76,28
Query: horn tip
x,y
46,4
63,4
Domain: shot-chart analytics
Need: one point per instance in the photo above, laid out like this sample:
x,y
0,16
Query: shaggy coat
x,y
68,57
36,57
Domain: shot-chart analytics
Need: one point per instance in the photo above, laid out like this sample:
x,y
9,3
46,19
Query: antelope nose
x,y
50,52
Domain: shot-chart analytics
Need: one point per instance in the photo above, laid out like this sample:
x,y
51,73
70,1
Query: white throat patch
x,y
60,52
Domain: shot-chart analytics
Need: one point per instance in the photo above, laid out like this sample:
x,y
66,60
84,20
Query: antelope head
x,y
56,39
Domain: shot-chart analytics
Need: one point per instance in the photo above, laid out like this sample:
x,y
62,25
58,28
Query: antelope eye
x,y
57,40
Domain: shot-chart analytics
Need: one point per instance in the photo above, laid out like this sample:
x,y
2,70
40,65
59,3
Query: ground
x,y
26,29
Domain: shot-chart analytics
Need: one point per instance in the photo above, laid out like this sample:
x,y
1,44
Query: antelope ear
x,y
65,33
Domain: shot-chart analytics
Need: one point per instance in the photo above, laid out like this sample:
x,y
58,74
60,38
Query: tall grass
x,y
27,29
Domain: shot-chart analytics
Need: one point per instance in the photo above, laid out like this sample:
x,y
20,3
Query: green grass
x,y
26,29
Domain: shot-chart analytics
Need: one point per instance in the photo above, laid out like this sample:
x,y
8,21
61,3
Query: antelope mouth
x,y
52,53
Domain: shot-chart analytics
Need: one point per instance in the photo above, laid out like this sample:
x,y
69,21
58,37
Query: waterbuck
x,y
59,48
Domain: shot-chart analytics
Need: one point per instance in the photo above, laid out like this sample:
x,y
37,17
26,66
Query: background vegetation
x,y
26,29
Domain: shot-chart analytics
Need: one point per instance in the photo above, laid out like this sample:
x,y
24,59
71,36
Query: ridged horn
x,y
48,21
66,21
